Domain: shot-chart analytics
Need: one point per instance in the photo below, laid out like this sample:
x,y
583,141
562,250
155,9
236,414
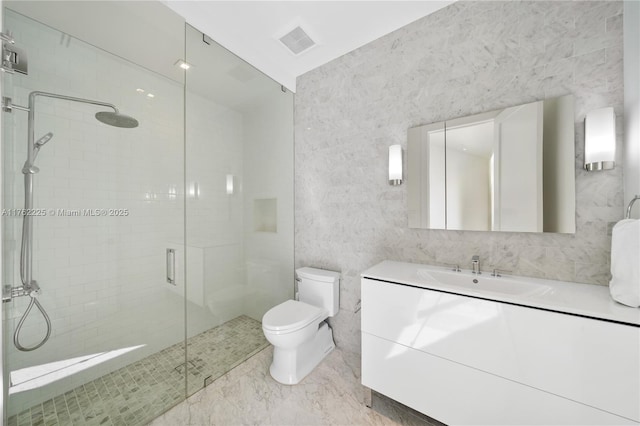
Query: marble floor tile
x,y
330,395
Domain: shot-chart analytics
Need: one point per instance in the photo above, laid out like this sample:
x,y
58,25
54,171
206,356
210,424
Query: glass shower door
x,y
239,206
106,238
157,248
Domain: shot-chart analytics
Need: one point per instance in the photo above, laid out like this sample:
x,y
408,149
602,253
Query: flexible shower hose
x,y
16,334
23,253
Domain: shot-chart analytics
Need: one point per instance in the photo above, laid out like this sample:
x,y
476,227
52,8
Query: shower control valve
x,y
9,292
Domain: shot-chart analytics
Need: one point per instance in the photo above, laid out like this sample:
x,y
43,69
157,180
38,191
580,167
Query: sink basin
x,y
480,283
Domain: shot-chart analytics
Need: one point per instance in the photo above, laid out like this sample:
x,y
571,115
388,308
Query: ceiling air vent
x,y
297,41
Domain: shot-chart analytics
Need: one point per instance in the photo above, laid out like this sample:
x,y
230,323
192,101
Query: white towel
x,y
625,262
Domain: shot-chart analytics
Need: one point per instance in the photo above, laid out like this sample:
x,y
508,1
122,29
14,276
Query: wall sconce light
x,y
395,165
229,184
600,139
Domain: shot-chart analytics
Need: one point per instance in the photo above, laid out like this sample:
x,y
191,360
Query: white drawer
x,y
459,395
590,361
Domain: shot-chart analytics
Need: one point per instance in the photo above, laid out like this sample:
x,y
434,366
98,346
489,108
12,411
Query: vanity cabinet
x,y
471,360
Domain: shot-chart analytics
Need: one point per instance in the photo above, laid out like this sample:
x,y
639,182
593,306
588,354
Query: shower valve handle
x,y
34,289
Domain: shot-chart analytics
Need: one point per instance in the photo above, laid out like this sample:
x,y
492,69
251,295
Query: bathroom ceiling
x,y
251,29
151,34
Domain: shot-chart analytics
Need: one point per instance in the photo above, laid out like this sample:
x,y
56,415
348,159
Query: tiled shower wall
x,y
467,58
99,275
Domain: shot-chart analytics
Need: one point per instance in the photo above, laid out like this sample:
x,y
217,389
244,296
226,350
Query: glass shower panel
x,y
239,215
108,203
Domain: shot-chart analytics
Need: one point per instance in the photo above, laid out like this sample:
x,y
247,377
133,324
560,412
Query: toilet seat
x,y
291,316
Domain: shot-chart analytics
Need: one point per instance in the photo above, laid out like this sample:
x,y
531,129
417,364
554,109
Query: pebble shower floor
x,y
139,392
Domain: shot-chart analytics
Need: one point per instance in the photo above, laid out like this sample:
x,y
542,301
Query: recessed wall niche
x,y
265,215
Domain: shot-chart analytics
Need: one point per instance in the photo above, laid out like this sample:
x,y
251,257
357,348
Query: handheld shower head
x,y
43,140
29,166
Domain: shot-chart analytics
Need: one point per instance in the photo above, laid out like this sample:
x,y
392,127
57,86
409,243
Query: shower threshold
x,y
34,377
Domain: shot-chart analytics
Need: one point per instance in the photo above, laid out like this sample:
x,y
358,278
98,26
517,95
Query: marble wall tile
x,y
466,58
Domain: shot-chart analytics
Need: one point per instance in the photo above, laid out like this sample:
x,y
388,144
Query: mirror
x,y
511,170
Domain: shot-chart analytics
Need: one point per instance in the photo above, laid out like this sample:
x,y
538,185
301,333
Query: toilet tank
x,y
318,287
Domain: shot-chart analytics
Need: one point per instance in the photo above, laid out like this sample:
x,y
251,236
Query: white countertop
x,y
580,299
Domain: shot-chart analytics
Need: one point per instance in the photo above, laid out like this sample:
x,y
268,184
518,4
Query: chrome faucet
x,y
475,264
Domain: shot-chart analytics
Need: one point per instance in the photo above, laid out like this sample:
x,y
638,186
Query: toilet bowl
x,y
300,338
297,329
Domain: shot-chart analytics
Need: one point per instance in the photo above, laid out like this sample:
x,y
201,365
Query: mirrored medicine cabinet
x,y
511,169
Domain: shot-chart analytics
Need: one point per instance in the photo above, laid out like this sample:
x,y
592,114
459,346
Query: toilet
x,y
297,329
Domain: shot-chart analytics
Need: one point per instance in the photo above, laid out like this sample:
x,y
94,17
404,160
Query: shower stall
x,y
29,286
147,218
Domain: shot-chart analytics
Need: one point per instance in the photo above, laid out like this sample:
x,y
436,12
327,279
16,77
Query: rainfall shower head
x,y
116,119
111,118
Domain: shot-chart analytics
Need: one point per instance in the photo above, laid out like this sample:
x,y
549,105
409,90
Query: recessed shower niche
x,y
265,215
